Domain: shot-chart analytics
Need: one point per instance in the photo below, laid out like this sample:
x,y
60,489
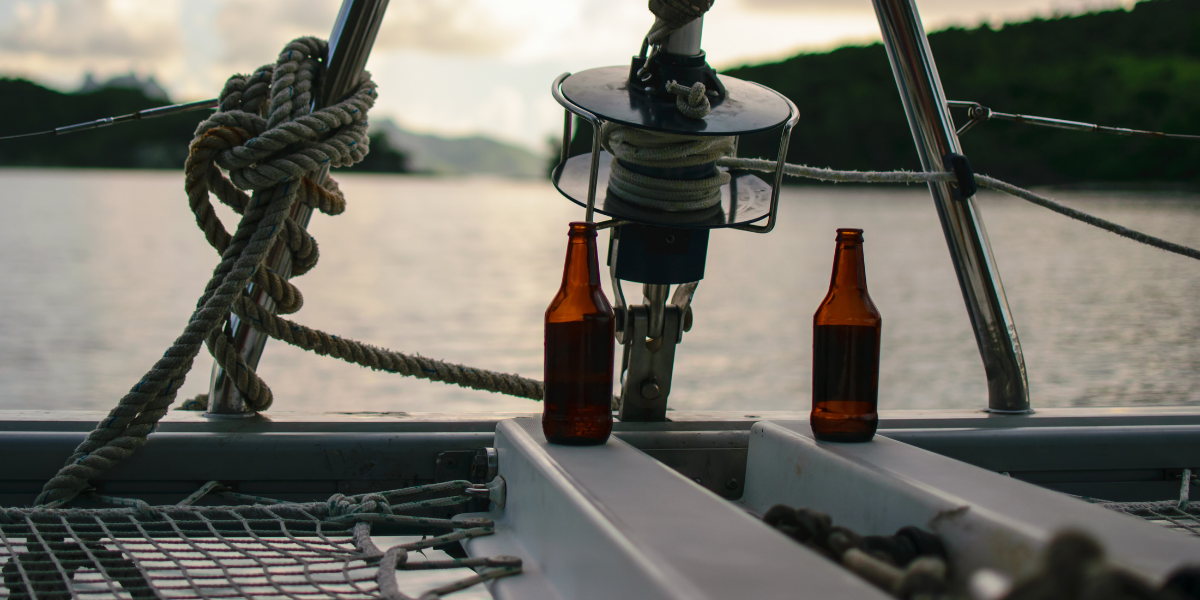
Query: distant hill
x,y
1138,68
452,156
149,86
28,107
162,143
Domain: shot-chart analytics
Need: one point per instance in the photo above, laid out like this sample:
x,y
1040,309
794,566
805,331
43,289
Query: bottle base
x,y
845,421
844,437
574,441
592,431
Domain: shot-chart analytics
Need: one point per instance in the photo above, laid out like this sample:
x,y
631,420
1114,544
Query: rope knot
x,y
691,101
342,505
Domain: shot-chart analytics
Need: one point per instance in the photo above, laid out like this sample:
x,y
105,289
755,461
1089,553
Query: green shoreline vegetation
x,y
160,143
1137,68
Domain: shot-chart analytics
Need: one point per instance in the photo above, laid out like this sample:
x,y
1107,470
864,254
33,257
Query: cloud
x,y
252,32
454,27
87,29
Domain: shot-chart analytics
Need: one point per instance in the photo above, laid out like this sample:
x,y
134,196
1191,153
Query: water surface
x,y
99,271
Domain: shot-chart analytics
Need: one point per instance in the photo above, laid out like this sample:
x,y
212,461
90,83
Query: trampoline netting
x,y
252,548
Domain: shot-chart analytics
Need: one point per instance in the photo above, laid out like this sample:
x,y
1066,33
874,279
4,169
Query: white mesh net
x,y
1182,515
266,550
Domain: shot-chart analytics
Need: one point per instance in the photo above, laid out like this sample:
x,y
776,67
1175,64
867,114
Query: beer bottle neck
x,y
849,270
582,268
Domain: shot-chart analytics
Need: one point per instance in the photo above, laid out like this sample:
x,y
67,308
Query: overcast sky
x,y
452,67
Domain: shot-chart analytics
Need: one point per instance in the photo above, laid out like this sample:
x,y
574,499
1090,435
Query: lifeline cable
x,y
755,164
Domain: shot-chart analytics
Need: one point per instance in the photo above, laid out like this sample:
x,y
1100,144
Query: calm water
x,y
100,270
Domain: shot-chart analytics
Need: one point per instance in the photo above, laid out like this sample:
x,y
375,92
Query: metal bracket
x,y
647,364
494,491
485,466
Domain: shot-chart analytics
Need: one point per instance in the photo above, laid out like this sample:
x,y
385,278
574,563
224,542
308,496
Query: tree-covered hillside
x,y
1138,68
159,143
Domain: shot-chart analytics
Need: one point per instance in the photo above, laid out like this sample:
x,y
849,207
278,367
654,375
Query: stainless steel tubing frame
x,y
349,46
686,40
933,131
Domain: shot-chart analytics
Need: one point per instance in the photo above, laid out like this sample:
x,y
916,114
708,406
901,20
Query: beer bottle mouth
x,y
849,235
580,228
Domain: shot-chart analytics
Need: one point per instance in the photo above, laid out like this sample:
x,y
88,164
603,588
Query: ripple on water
x,y
99,271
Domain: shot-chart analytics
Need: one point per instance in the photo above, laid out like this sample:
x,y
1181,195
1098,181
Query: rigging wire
x,y
975,111
149,113
978,113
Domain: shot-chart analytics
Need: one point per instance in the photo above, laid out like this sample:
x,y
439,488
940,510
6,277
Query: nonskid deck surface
x,y
1112,454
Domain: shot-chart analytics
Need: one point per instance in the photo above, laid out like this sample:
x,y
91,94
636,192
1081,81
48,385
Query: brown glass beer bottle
x,y
577,409
846,331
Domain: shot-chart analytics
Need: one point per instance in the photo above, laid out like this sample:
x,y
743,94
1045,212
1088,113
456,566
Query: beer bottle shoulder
x,y
848,307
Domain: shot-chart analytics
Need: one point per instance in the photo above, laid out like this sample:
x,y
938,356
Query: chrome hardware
x,y
495,491
933,131
664,248
686,39
656,301
486,465
647,364
349,45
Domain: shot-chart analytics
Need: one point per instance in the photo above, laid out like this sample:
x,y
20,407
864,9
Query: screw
x,y
670,239
732,484
650,390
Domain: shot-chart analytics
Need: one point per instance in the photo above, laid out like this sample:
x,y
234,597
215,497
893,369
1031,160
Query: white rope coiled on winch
x,y
664,151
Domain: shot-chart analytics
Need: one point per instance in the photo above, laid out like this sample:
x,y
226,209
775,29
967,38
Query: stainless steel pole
x,y
933,130
686,40
349,46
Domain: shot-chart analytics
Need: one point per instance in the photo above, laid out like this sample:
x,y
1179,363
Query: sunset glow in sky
x,y
452,67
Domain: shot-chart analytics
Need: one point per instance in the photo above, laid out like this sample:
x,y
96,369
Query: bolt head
x,y
650,390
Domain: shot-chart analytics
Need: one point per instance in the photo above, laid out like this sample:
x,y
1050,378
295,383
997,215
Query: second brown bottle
x,y
846,330
577,409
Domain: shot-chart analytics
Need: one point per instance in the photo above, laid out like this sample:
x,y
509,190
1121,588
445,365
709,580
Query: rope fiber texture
x,y
691,101
271,143
664,151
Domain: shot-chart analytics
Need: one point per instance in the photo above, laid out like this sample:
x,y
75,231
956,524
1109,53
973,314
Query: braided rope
x,y
382,359
270,142
664,150
691,101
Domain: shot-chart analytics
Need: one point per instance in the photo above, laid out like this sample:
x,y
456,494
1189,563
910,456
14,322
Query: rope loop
x,y
691,101
259,150
268,140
